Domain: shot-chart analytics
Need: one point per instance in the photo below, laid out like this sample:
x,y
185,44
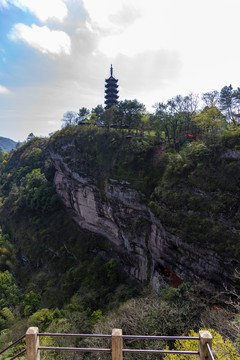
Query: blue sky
x,y
56,54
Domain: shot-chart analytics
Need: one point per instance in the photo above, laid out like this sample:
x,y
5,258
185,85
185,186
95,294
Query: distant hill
x,y
7,144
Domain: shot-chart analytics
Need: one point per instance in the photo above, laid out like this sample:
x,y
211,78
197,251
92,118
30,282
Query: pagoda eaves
x,y
111,90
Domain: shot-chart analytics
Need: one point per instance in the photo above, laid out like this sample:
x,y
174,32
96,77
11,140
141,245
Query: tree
x,y
129,113
109,116
9,291
187,104
161,121
30,302
174,118
30,137
83,115
69,118
145,123
7,252
169,119
93,119
236,101
38,193
190,103
99,112
211,98
1,155
226,102
230,103
209,119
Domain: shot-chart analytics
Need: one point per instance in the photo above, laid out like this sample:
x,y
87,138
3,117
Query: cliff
x,y
146,249
169,216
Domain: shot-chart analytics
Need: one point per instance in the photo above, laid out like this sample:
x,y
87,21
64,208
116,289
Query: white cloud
x,y
3,3
43,9
132,26
148,70
112,16
42,38
4,90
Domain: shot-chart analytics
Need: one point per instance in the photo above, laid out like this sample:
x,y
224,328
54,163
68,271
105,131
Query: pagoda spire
x,y
111,90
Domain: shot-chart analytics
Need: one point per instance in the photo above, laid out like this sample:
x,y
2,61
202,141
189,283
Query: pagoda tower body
x,y
111,91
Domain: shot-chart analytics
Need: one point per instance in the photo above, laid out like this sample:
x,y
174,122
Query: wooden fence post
x,y
204,338
32,343
117,344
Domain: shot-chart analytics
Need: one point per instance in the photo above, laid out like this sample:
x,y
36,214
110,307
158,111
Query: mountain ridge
x,y
7,144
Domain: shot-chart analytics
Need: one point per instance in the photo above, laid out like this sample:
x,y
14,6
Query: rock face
x,y
144,248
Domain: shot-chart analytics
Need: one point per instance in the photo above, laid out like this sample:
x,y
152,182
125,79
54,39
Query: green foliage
x,y
8,315
173,120
7,252
129,113
9,292
38,192
30,302
33,157
96,316
210,119
231,138
222,348
43,318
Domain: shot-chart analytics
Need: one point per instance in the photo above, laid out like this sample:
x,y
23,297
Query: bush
x,y
223,349
9,292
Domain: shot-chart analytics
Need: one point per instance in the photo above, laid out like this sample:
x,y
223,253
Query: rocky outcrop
x,y
145,249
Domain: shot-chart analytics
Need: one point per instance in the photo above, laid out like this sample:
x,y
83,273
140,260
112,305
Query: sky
x,y
56,54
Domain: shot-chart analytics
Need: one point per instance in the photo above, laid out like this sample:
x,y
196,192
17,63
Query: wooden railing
x,y
12,345
33,348
117,350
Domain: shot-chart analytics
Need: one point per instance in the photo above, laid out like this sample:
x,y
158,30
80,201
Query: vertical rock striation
x,y
144,248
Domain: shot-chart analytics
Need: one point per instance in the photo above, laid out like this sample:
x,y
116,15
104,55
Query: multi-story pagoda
x,y
111,91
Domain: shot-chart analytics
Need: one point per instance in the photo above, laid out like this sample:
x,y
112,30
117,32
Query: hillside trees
x,y
110,117
69,118
27,184
82,115
209,119
38,193
10,296
129,114
9,291
7,252
99,112
226,102
229,102
211,98
174,118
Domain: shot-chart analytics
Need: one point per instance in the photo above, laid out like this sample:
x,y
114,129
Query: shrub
x,y
223,349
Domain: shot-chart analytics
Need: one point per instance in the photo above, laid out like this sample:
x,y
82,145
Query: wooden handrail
x,y
33,348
